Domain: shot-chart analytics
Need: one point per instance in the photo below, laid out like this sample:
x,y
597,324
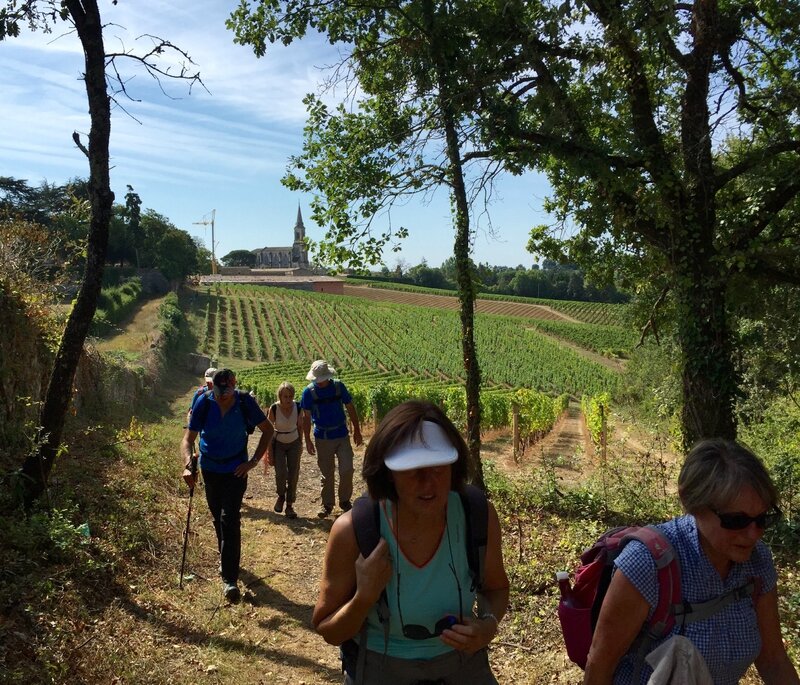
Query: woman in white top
x,y
286,447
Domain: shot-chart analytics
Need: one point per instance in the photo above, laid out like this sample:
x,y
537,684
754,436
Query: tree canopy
x,y
239,258
670,137
669,134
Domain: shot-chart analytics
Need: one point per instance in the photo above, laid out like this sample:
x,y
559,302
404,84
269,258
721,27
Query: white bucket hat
x,y
320,371
428,447
210,371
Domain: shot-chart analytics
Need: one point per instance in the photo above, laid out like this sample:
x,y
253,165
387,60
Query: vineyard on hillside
x,y
602,313
388,352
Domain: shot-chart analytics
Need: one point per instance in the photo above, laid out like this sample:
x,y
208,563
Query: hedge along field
x,y
375,392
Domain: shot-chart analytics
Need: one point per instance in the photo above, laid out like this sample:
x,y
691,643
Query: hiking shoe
x,y
278,505
290,512
231,592
346,506
324,511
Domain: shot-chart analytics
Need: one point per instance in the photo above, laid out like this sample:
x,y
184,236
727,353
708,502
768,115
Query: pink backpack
x,y
580,604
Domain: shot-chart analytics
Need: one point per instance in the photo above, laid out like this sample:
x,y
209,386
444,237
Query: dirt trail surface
x,y
194,636
532,311
281,566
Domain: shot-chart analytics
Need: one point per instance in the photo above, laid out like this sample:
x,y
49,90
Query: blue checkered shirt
x,y
729,640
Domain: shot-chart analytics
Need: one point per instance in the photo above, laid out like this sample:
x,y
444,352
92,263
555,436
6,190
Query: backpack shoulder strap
x,y
203,413
700,611
243,400
366,518
476,510
668,574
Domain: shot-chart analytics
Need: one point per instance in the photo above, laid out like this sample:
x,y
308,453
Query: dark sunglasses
x,y
740,521
417,632
223,388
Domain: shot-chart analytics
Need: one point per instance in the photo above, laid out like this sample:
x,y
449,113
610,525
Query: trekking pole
x,y
193,469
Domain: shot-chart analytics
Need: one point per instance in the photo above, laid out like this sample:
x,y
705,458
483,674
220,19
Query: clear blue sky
x,y
188,153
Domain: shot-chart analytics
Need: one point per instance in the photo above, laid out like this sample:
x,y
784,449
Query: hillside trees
x,y
239,258
669,133
84,17
408,132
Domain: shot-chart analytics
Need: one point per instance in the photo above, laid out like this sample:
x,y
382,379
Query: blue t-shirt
x,y
729,640
223,439
427,593
327,413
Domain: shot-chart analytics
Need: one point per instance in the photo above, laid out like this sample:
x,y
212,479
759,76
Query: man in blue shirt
x,y
324,402
224,418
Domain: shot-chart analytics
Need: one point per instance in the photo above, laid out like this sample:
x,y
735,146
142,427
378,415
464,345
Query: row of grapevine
x,y
596,411
401,339
374,393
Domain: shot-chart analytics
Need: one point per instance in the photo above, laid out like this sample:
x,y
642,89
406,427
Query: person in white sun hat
x,y
413,610
324,402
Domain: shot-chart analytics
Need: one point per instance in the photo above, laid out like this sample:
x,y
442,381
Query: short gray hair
x,y
714,473
286,385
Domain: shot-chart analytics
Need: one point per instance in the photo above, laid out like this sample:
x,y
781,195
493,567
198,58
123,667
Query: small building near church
x,y
294,257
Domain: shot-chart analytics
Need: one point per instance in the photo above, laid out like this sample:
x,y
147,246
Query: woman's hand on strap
x,y
374,572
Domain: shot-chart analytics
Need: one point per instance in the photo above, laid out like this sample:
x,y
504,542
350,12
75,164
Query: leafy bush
x,y
170,316
776,439
114,304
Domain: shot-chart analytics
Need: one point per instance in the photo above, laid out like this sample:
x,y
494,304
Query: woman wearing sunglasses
x,y
438,625
729,500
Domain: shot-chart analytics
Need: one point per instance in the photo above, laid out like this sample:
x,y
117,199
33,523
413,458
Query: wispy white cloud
x,y
225,149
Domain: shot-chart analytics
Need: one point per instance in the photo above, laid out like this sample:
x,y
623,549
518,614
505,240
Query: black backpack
x,y
240,396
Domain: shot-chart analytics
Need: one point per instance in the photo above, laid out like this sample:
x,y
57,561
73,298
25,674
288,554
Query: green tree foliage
x,y
669,134
177,254
62,210
410,131
100,70
239,258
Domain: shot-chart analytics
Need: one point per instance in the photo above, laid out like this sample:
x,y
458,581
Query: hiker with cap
x,y
324,402
729,607
224,418
440,621
208,378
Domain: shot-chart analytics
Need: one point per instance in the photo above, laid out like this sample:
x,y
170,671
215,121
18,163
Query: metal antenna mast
x,y
206,223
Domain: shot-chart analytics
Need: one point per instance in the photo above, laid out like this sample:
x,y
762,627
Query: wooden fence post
x,y
515,429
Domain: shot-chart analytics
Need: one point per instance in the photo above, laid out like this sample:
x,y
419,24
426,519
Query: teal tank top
x,y
428,593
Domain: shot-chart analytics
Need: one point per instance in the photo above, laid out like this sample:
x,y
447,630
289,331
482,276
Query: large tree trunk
x,y
708,376
466,295
37,467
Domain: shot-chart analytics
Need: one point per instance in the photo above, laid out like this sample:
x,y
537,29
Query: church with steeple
x,y
294,257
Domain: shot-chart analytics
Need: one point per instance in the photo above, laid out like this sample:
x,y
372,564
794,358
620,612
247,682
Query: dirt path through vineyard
x,y
268,638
